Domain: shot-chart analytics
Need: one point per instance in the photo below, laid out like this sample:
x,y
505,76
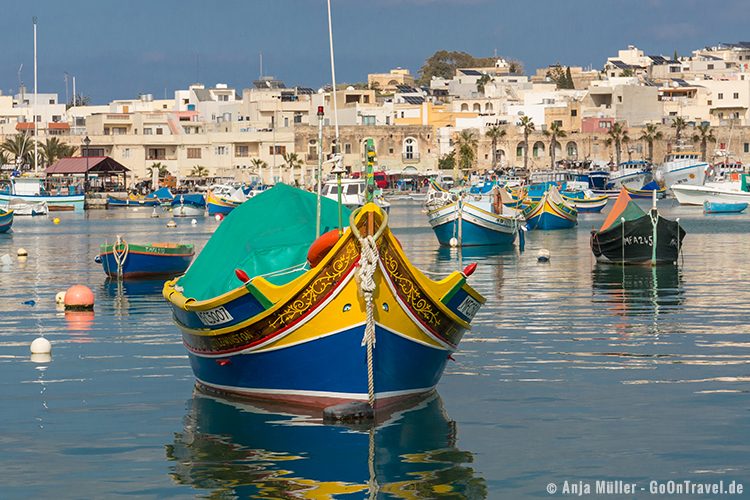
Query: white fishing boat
x,y
352,193
630,174
714,192
31,190
681,167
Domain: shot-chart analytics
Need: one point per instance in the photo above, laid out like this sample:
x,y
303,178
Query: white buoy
x,y
217,217
171,224
194,222
41,358
41,346
60,298
453,242
22,252
543,255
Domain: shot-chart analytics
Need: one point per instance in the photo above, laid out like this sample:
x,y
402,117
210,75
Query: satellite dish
x,y
320,91
521,113
349,88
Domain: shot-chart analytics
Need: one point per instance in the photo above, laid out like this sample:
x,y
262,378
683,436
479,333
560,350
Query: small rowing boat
x,y
149,260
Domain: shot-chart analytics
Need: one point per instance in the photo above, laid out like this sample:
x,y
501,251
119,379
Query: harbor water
x,y
573,372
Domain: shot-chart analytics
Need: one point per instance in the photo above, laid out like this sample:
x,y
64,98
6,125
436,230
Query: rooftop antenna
x,y
20,83
261,65
33,114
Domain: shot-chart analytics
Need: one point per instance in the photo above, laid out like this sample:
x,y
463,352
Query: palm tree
x,y
650,134
618,136
292,161
160,168
554,132
198,171
678,124
495,133
20,147
483,80
527,124
704,136
53,149
466,151
259,166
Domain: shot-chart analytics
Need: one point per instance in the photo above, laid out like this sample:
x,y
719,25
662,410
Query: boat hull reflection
x,y
237,448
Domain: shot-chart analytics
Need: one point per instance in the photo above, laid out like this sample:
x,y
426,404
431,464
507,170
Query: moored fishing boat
x,y
23,207
131,202
585,201
6,220
647,191
222,199
31,190
551,212
189,205
150,260
629,235
259,320
461,221
712,207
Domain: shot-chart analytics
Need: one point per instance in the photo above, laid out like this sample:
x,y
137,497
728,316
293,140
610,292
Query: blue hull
x,y
139,265
472,234
547,221
6,221
331,366
723,208
117,203
218,209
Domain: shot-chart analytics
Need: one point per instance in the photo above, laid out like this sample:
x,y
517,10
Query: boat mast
x,y
33,111
337,168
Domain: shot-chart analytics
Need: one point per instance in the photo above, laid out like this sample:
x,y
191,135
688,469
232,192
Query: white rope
x,y
288,270
120,255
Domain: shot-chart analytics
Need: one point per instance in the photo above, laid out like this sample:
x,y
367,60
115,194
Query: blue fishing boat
x,y
472,222
551,212
189,205
131,202
31,190
278,314
222,199
585,201
712,207
6,220
127,260
647,191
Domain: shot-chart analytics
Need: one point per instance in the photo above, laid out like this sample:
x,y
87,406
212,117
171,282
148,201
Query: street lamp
x,y
86,142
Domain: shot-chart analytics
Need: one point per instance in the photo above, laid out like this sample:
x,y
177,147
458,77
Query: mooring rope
x,y
372,485
120,255
368,264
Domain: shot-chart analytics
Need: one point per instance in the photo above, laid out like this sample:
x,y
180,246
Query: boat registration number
x,y
215,316
469,307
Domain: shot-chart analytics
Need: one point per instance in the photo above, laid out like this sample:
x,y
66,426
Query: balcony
x,y
410,157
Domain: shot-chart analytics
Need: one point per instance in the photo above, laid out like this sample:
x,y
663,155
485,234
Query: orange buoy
x,y
320,247
79,298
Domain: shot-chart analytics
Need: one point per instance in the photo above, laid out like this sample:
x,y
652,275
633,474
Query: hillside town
x,y
636,107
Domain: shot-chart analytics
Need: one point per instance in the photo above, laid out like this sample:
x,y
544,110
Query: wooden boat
x,y
189,205
131,202
259,321
712,207
585,201
551,212
6,220
629,235
31,190
647,192
464,221
150,260
222,199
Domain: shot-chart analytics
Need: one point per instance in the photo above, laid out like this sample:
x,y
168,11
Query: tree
x,y
483,80
292,161
444,64
527,125
495,133
20,147
678,124
259,166
650,134
447,161
160,168
569,78
617,136
704,135
554,132
198,171
53,149
78,100
628,72
561,77
466,151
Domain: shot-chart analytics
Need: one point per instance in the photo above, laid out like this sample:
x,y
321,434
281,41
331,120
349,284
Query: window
x,y
159,131
147,131
241,151
720,96
559,123
157,153
619,98
126,153
56,118
573,112
286,121
736,95
52,101
410,149
297,117
347,149
370,119
709,102
193,153
220,150
746,147
279,150
710,66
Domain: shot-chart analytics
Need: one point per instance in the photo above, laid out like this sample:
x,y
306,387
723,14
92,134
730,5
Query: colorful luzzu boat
x,y
223,199
151,260
300,332
6,220
586,202
551,212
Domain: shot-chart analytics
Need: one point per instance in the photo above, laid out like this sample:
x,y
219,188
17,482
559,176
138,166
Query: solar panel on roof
x,y
405,89
413,100
470,72
305,90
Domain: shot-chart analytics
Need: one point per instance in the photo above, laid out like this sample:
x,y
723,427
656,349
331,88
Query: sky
x,y
120,49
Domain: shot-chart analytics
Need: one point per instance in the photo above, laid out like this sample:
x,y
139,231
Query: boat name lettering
x,y
469,307
639,240
156,250
215,316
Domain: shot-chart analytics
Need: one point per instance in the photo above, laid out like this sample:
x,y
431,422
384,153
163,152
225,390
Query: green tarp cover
x,y
630,211
269,232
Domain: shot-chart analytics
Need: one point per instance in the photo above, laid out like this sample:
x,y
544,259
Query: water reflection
x,y
638,290
474,253
238,449
124,292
